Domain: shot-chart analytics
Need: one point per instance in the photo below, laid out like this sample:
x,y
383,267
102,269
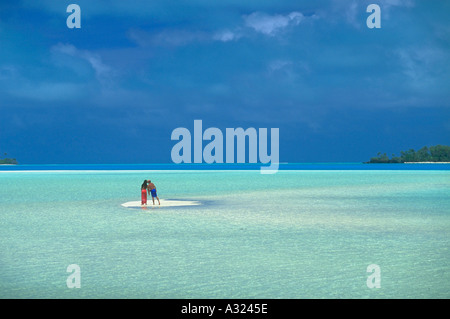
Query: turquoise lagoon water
x,y
294,234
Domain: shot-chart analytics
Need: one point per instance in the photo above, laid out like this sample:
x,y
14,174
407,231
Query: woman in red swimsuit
x,y
144,193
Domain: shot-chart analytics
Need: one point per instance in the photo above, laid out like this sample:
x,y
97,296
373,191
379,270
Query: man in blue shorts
x,y
151,188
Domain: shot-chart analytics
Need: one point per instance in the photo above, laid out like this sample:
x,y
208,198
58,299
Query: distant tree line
x,y
8,160
438,153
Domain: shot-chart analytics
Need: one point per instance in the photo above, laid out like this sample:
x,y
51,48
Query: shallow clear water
x,y
294,234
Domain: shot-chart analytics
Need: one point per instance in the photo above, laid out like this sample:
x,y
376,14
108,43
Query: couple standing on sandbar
x,y
150,188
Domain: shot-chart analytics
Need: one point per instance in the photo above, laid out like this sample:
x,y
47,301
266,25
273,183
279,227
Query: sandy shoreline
x,y
164,203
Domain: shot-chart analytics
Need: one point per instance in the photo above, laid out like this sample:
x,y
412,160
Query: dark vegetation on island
x,y
436,154
8,160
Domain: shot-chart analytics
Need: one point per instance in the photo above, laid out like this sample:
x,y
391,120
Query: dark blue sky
x,y
114,90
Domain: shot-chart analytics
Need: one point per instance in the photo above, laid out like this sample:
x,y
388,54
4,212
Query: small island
x,y
8,161
432,154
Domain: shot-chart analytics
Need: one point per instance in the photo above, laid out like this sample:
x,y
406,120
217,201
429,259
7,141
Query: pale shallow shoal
x,y
164,203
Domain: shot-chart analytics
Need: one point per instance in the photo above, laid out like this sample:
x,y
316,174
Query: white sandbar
x,y
164,203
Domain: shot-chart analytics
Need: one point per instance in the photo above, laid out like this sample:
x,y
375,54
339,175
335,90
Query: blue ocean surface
x,y
229,166
309,231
